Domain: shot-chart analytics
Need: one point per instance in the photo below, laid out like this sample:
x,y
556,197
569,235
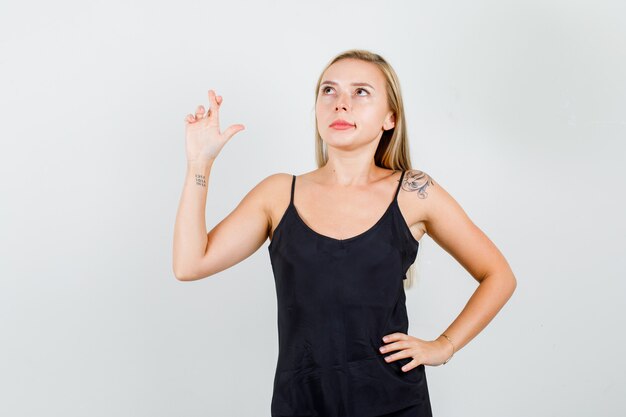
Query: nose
x,y
343,102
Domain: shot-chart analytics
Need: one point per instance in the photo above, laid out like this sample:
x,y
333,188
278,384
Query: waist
x,y
366,387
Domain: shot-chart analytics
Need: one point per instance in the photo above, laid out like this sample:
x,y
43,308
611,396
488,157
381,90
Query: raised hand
x,y
203,139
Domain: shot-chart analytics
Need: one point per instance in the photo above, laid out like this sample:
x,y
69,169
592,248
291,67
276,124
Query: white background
x,y
518,109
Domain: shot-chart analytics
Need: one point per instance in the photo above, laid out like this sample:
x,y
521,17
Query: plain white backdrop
x,y
517,108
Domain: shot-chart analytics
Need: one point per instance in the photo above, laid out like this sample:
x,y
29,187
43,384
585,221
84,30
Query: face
x,y
352,90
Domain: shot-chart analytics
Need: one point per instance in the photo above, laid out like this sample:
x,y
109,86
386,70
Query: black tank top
x,y
337,298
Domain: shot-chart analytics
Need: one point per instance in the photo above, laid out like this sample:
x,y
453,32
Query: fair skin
x,y
331,200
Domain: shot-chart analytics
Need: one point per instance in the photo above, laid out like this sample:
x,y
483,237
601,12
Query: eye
x,y
358,89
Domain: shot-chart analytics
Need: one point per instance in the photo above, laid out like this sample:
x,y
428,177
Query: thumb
x,y
232,129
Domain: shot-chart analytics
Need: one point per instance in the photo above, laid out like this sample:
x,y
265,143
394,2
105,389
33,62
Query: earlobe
x,y
390,123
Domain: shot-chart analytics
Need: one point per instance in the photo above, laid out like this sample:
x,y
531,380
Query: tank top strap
x,y
293,184
399,184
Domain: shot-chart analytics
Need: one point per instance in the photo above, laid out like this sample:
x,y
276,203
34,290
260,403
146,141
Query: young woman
x,y
343,237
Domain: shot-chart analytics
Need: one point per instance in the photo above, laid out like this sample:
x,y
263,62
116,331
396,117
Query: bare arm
x,y
190,234
451,228
444,220
198,254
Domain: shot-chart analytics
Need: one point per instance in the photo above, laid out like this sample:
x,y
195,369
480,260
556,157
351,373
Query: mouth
x,y
341,125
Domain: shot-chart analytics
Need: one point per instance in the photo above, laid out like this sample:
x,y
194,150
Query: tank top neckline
x,y
393,204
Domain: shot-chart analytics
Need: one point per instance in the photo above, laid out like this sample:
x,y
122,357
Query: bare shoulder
x,y
273,182
436,199
427,196
415,194
430,209
275,190
272,188
447,223
419,183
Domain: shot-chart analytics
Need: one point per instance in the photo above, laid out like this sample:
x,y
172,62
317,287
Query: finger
x,y
214,99
398,355
190,118
393,336
213,104
232,129
390,347
200,111
413,364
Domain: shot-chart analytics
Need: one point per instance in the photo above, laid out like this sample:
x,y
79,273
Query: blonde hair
x,y
393,149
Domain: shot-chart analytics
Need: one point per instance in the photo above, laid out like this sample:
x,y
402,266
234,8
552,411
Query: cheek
x,y
322,111
323,102
369,114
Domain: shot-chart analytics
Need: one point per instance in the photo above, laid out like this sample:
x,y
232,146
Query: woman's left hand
x,y
432,353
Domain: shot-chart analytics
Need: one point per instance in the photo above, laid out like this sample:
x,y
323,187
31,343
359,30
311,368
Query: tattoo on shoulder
x,y
416,180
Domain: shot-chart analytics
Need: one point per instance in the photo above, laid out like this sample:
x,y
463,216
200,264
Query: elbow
x,y
190,269
504,280
508,284
513,283
182,268
188,275
182,274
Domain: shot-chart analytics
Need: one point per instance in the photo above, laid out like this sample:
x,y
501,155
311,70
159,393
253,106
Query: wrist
x,y
200,165
447,345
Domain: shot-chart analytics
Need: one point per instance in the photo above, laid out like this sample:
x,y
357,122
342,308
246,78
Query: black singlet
x,y
337,298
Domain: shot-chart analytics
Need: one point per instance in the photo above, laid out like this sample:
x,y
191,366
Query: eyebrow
x,y
355,84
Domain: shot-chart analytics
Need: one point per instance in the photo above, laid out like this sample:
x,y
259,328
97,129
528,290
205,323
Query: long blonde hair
x,y
393,149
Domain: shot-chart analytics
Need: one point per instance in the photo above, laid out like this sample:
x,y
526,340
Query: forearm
x,y
490,296
190,232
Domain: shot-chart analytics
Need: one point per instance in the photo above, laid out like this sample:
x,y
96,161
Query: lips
x,y
341,124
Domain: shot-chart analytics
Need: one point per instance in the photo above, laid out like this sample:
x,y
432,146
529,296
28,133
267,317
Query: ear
x,y
390,121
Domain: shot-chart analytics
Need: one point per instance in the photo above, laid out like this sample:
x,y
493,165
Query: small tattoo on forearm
x,y
200,180
416,180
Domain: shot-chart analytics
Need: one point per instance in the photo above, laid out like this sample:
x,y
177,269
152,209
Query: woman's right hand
x,y
203,139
